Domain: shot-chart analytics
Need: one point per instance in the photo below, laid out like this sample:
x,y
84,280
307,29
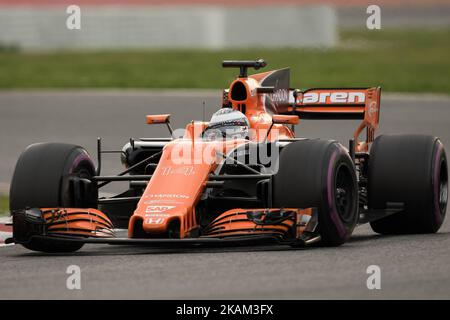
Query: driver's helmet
x,y
227,123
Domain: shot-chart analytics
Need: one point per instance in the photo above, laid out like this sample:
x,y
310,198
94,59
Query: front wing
x,y
235,227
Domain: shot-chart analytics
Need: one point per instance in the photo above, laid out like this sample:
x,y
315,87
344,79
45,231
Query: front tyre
x,y
319,173
42,179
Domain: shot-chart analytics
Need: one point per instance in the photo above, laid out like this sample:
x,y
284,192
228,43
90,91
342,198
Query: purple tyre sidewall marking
x,y
436,183
80,158
341,229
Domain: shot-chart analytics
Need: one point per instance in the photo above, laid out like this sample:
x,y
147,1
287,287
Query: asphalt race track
x,y
415,266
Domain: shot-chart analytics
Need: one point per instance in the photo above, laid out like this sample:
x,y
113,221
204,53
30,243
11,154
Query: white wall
x,y
169,27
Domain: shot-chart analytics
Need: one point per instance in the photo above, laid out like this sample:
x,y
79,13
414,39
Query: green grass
x,y
398,60
4,205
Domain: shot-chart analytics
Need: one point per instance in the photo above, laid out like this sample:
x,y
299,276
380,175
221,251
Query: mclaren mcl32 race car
x,y
243,178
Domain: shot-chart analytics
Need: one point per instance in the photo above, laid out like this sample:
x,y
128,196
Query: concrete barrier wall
x,y
211,27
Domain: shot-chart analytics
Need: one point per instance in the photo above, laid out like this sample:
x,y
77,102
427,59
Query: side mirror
x,y
158,118
285,119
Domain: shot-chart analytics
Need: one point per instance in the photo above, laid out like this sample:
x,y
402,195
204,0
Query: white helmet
x,y
227,123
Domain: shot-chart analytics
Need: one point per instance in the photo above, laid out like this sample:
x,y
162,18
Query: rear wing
x,y
339,103
335,103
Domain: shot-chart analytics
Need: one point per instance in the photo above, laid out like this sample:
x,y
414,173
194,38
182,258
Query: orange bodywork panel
x,y
177,184
235,222
77,222
194,129
285,119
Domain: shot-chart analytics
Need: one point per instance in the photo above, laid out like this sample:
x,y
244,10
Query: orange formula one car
x,y
241,178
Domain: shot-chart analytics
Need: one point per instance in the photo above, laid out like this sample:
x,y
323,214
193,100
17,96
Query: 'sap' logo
x,y
151,209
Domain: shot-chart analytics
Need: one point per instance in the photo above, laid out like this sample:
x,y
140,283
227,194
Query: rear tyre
x,y
41,180
319,173
411,169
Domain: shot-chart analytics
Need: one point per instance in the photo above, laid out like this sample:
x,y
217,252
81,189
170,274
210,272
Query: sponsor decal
x,y
157,215
151,209
334,97
184,170
280,96
168,195
154,220
372,108
160,201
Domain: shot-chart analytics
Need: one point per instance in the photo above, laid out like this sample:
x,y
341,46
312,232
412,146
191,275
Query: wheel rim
x,y
82,170
83,173
344,193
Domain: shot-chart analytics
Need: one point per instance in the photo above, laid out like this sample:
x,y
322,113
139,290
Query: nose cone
x,y
162,219
170,197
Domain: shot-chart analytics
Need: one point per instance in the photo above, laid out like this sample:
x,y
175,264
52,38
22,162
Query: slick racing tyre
x,y
319,173
41,179
408,169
